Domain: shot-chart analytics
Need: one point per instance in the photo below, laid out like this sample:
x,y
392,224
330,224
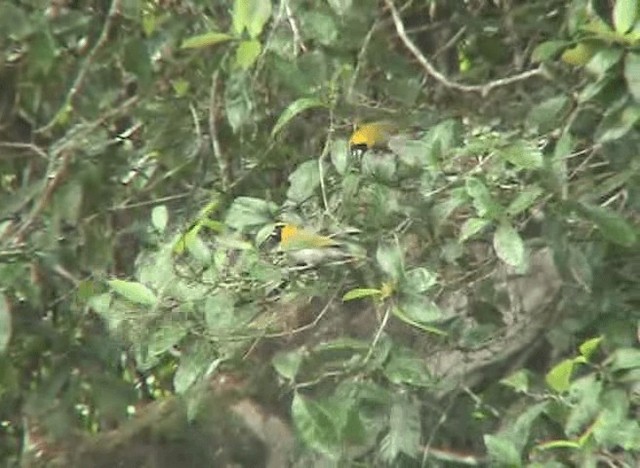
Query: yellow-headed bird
x,y
306,247
372,135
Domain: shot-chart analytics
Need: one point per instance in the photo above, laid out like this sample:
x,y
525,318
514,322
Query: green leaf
x,y
205,40
508,245
525,199
400,314
163,339
625,13
304,181
404,430
160,217
195,362
522,155
483,202
315,426
403,368
618,123
502,451
632,74
602,61
612,225
250,212
471,227
251,15
559,378
5,323
390,260
219,313
360,293
247,53
545,116
547,50
295,108
625,358
340,155
133,291
419,280
589,347
288,363
519,381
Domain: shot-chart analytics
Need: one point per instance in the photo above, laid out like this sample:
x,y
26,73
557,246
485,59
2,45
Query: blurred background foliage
x,y
149,148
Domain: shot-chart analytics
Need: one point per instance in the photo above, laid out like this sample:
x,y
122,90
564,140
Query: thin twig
x,y
360,59
213,133
298,44
24,146
483,89
451,42
114,12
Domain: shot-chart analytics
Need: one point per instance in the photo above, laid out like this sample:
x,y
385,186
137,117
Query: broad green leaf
x,y
205,40
296,107
195,362
219,313
404,430
304,181
508,245
589,347
585,393
547,50
502,451
160,217
559,378
165,338
390,260
558,444
625,358
402,368
247,53
471,227
133,291
625,13
617,124
315,426
288,363
578,55
632,74
522,155
546,115
519,381
525,199
250,212
5,323
340,155
601,62
400,314
483,202
419,280
251,15
613,226
360,293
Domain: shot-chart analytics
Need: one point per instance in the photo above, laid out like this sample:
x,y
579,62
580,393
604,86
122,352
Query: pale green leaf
x,y
296,107
205,40
509,245
133,291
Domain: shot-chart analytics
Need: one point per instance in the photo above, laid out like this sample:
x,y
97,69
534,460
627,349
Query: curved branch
x,y
428,67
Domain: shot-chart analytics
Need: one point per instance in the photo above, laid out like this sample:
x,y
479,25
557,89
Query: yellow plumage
x,y
372,135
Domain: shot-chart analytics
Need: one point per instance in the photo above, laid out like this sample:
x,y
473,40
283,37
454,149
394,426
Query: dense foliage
x,y
487,309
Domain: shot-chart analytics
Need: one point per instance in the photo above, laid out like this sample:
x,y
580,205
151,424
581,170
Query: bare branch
x,y
428,67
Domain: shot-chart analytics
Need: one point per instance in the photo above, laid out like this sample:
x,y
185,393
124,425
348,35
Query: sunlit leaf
x,y
205,40
160,217
471,227
559,377
589,347
360,293
547,50
632,74
502,451
625,13
522,155
133,291
247,53
508,245
251,15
